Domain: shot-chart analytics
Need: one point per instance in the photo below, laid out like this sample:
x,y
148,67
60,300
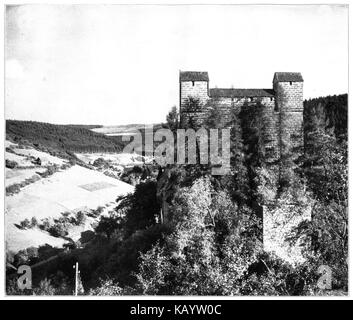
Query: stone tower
x,y
193,84
282,115
288,87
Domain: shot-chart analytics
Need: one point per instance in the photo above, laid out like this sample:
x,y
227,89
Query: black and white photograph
x,y
176,150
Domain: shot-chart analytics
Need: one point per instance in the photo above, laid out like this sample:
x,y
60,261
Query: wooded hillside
x,y
73,138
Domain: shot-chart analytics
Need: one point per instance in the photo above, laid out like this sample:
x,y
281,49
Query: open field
x,y
21,160
119,130
75,188
118,159
26,168
54,195
45,158
14,176
124,130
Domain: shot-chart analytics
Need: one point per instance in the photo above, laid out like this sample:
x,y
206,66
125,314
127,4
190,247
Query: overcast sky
x,y
120,64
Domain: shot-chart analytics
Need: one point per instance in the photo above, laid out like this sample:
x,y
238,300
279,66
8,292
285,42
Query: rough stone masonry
x,y
280,110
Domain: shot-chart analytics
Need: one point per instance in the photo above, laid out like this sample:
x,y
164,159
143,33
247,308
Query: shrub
x,y
10,256
37,161
63,220
58,230
100,209
21,258
32,253
70,245
45,288
26,256
10,164
94,213
25,224
107,225
107,288
101,163
80,218
15,188
46,251
87,236
65,213
34,222
45,224
50,170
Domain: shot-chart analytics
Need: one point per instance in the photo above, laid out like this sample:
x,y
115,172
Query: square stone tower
x,y
195,85
288,87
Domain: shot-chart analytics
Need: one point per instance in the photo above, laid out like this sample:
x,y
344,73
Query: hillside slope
x,y
68,190
71,138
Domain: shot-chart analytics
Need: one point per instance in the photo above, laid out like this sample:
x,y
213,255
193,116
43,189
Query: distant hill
x,y
120,130
86,126
71,138
68,138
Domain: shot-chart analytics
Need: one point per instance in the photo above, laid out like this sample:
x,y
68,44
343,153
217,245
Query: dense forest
x,y
212,241
66,139
71,138
333,109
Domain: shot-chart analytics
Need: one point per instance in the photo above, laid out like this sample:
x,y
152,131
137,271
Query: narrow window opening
x,y
193,83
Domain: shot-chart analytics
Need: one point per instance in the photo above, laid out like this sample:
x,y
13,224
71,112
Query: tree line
x,y
71,138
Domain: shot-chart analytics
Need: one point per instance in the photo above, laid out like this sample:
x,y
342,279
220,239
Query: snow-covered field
x,y
66,190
